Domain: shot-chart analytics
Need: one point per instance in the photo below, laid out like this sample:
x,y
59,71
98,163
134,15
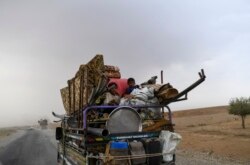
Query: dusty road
x,y
34,147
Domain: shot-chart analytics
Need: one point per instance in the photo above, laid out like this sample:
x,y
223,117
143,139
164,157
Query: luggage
x,y
78,92
112,71
166,92
136,148
119,149
153,146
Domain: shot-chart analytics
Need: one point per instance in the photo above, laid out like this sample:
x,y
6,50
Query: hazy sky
x,y
43,42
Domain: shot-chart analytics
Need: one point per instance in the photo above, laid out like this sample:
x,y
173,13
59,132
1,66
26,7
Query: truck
x,y
138,130
43,123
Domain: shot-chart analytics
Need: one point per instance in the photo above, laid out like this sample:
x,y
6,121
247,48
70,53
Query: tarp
x,y
121,85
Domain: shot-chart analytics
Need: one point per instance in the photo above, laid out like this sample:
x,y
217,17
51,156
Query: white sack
x,y
169,140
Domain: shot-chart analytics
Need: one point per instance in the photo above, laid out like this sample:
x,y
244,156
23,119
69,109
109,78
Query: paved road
x,y
35,147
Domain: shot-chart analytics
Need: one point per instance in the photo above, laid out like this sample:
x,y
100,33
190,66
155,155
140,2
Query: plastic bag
x,y
169,141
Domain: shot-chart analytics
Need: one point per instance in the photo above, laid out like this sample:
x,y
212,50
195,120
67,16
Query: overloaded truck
x,y
136,130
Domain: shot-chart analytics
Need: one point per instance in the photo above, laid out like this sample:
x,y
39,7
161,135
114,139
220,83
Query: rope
x,y
127,157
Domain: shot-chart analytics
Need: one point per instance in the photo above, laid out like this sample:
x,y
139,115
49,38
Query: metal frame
x,y
165,104
87,109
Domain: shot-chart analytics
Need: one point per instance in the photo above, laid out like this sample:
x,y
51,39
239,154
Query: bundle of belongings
x,y
131,152
98,84
88,84
150,94
112,71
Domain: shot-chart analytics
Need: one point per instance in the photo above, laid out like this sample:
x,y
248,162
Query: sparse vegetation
x,y
221,131
241,107
6,132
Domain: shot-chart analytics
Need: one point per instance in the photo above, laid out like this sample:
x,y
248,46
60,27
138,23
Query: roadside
x,y
189,157
33,146
8,135
212,135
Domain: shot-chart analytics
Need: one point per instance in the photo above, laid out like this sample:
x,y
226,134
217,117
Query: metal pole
x,y
161,76
162,109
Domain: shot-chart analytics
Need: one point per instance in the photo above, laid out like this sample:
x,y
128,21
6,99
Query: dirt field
x,y
214,132
5,132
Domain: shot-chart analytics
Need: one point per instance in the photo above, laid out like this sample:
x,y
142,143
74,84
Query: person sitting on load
x,y
112,97
131,87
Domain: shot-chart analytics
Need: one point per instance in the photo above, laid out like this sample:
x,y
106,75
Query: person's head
x,y
131,82
112,86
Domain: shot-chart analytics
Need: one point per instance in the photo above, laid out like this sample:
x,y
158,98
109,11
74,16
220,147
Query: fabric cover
x,y
169,140
121,85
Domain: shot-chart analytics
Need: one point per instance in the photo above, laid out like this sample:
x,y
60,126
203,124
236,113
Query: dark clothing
x,y
130,89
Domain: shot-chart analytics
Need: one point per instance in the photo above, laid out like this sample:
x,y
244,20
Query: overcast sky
x,y
43,42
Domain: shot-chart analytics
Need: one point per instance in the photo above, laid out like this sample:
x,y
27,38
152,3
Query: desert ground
x,y
8,135
212,132
5,132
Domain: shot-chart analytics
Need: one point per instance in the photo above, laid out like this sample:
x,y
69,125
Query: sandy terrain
x,y
4,132
215,133
8,135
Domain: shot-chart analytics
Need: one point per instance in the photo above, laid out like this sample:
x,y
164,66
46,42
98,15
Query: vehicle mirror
x,y
59,133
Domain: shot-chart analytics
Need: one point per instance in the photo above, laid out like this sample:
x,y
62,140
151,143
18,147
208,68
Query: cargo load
x,y
108,121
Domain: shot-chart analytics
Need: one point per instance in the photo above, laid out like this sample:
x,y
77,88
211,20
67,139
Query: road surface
x,y
34,147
